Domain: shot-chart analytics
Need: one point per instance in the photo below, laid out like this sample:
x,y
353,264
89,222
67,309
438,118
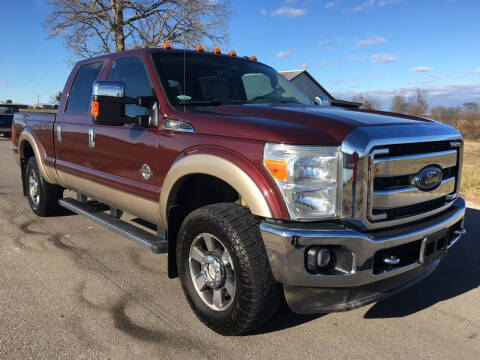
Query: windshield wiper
x,y
211,102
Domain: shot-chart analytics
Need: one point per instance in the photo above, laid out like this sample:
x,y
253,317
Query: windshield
x,y
6,110
214,79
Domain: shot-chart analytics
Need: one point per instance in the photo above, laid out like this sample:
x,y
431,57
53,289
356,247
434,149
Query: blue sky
x,y
371,47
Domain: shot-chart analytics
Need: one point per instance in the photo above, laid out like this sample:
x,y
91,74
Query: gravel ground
x,y
69,289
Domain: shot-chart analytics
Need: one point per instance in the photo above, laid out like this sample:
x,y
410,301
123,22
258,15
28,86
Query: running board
x,y
131,232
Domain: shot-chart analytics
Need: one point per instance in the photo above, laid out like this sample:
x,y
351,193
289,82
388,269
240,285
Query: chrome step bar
x,y
155,243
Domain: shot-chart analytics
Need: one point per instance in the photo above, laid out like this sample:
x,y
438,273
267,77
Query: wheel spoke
x,y
226,258
197,254
200,282
230,287
218,298
209,242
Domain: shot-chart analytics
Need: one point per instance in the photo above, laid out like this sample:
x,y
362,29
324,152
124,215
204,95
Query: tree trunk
x,y
119,36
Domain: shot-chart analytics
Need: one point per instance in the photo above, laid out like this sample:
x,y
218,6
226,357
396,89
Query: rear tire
x,y
42,196
234,291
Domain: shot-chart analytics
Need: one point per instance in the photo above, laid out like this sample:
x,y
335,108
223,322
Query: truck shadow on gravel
x,y
457,274
285,319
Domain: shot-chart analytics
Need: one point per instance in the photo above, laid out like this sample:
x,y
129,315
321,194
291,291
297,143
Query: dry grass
x,y
470,188
49,111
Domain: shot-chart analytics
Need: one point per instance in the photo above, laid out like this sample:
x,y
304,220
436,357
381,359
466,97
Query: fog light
x,y
323,257
318,258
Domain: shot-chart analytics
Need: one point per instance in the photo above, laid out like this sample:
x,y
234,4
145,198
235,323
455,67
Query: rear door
x,y
74,158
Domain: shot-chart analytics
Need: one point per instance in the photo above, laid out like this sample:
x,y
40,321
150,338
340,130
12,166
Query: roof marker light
x,y
216,51
166,46
232,53
253,58
199,48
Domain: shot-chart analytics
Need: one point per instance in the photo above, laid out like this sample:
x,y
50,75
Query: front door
x,y
127,155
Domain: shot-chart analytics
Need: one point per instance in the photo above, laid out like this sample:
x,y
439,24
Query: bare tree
x,y
417,103
367,102
95,27
471,111
448,115
399,103
55,99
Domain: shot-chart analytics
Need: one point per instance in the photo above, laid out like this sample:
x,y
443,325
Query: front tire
x,y
42,196
224,269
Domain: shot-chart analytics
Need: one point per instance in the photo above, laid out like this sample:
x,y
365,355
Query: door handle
x,y
91,138
59,133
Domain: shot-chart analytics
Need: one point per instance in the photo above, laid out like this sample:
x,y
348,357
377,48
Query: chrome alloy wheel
x,y
34,188
212,271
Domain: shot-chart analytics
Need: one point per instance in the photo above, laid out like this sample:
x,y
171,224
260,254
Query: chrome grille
x,y
392,194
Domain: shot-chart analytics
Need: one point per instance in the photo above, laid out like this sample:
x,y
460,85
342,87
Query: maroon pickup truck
x,y
255,193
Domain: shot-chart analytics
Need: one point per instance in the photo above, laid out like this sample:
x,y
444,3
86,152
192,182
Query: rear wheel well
x,y
188,194
26,152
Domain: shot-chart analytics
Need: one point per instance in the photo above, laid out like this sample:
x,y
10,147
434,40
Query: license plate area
x,y
434,246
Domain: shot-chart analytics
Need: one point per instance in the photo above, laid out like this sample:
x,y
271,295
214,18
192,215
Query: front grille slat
x,y
397,179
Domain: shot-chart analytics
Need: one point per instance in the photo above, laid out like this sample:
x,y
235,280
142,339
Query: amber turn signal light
x,y
95,108
216,51
167,46
277,168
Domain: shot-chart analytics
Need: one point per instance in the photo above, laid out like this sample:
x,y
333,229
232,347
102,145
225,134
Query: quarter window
x,y
81,91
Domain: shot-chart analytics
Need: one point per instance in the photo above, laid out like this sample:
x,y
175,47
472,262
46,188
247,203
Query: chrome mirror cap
x,y
108,88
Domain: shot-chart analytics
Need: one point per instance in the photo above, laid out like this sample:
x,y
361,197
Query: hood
x,y
288,123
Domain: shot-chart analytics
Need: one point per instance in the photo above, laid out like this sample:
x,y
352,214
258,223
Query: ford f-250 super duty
x,y
254,190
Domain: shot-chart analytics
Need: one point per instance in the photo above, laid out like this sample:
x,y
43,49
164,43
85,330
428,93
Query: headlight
x,y
307,178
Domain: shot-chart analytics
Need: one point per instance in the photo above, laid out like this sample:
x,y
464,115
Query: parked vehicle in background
x,y
254,190
6,117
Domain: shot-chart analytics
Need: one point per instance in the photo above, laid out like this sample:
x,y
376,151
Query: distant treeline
x,y
466,117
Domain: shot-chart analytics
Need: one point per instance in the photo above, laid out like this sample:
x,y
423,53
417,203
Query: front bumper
x,y
307,292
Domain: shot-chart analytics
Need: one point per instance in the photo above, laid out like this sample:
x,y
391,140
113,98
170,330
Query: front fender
x,y
233,169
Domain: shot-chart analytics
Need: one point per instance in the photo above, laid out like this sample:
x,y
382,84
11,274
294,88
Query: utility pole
x,y
38,101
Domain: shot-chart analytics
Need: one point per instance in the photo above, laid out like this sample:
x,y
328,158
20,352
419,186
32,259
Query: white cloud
x,y
446,94
365,5
422,69
304,66
383,59
370,41
356,58
289,12
478,71
284,54
289,1
4,82
375,3
330,5
263,12
324,63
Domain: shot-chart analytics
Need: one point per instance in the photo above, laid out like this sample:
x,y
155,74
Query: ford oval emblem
x,y
428,178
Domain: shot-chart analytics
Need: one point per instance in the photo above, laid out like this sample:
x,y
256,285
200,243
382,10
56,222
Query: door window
x,y
81,91
132,73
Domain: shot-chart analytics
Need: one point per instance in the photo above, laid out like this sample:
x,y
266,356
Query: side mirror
x,y
108,104
321,100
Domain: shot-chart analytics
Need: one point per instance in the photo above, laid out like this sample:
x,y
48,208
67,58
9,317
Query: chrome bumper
x,y
286,245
